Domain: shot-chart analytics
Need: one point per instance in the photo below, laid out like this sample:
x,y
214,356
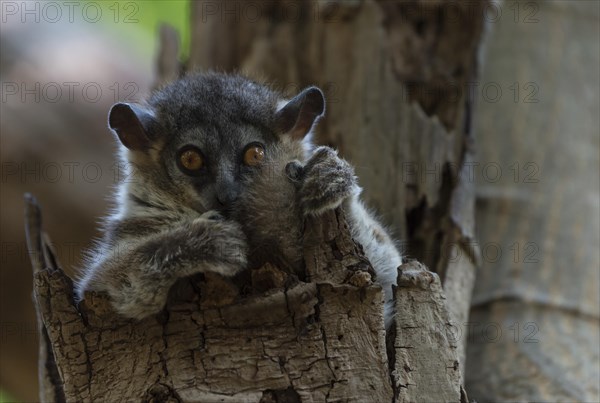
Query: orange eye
x,y
254,155
191,160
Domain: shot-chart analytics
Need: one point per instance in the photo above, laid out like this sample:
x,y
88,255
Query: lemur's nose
x,y
227,197
227,188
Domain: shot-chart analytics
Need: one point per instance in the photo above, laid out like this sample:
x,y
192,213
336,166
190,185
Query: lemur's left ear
x,y
298,116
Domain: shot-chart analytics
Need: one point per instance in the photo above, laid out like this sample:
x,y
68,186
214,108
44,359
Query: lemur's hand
x,y
221,242
324,182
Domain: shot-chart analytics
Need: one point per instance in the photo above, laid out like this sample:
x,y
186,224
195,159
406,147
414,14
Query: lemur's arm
x,y
378,247
327,182
137,272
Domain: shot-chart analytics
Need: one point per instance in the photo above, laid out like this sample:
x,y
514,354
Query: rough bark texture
x,y
426,366
317,341
539,297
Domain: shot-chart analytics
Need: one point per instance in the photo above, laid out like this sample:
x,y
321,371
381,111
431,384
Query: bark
x,y
426,366
318,341
539,296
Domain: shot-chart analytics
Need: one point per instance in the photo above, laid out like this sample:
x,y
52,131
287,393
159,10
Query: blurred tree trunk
x,y
537,292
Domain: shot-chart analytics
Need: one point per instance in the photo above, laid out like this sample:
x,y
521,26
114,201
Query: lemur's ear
x,y
131,123
298,116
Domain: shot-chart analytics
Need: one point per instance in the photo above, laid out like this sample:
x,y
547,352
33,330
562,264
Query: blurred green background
x,y
137,21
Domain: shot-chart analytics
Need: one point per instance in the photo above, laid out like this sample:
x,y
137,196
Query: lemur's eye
x,y
191,160
254,155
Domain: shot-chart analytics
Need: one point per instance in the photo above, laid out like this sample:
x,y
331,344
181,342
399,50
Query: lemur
x,y
220,165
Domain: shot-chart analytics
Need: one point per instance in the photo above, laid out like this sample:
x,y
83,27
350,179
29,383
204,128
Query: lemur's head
x,y
199,140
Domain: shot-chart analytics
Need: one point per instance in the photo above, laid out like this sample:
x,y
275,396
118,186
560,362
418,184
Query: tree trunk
x,y
536,309
384,66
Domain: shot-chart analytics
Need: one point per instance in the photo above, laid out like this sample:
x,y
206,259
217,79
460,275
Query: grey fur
x,y
169,224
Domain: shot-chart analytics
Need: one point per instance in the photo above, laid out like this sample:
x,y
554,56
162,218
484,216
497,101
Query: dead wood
x,y
322,340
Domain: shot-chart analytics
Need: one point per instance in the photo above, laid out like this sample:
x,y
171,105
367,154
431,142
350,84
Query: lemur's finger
x,y
294,171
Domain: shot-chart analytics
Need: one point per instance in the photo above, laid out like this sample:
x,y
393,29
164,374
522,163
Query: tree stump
x,y
276,339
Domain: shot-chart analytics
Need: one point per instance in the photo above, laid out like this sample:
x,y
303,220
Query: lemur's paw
x,y
220,242
229,246
327,181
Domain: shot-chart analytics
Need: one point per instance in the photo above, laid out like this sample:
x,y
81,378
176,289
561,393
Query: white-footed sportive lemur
x,y
221,166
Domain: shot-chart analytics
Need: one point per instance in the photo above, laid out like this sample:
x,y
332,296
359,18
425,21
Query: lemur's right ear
x,y
298,116
131,124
